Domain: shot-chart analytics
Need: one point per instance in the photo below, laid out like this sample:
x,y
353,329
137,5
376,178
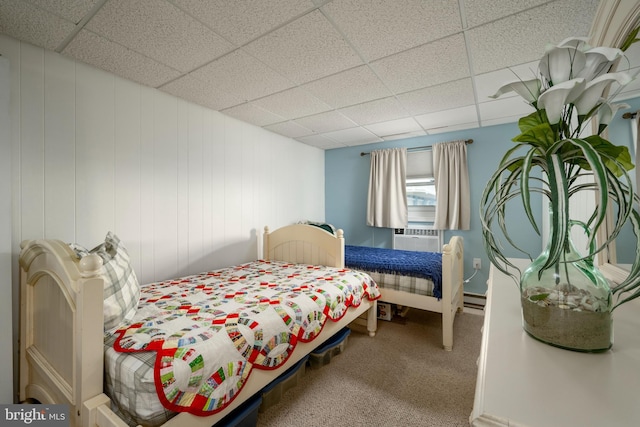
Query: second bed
x,y
431,281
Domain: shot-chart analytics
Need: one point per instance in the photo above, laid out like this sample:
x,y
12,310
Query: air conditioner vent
x,y
417,239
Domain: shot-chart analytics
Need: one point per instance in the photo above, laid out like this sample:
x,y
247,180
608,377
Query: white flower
x,y
561,64
573,78
580,43
592,93
607,111
573,57
528,89
599,61
555,98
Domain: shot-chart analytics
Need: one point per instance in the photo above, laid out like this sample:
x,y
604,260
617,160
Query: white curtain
x,y
387,201
453,210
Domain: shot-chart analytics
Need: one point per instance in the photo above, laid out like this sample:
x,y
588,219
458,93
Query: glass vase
x,y
567,305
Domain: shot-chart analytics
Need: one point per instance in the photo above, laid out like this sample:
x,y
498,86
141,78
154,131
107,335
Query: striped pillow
x,y
121,287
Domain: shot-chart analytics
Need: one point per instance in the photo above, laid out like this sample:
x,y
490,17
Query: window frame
x,y
420,172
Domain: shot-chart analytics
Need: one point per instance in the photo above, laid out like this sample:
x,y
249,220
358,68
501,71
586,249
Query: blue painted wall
x,y
347,180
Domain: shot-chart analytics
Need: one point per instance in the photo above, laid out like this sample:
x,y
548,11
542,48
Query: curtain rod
x,y
426,147
629,115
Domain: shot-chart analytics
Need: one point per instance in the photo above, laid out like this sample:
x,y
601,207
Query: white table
x,y
523,382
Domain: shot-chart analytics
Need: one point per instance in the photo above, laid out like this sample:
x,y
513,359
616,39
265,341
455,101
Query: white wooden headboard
x,y
304,244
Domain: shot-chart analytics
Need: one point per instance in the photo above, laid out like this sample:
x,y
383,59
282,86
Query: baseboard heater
x,y
473,300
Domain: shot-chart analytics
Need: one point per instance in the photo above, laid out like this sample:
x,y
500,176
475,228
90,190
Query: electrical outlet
x,y
477,264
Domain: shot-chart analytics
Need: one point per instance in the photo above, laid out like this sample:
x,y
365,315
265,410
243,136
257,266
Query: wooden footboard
x,y
61,324
452,291
452,287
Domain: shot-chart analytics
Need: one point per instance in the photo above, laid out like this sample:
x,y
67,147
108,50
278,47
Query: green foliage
x,y
631,39
550,159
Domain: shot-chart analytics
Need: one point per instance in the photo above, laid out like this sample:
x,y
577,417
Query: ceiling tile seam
x,y
313,132
271,30
338,109
100,3
467,47
80,25
334,109
366,61
182,73
242,46
296,85
299,85
250,103
511,15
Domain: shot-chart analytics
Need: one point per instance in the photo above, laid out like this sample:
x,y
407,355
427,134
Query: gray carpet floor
x,y
400,377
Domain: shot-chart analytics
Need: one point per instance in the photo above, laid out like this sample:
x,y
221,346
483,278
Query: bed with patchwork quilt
x,y
191,350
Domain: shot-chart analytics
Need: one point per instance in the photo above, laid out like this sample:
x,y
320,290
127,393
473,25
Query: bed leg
x,y
447,329
372,319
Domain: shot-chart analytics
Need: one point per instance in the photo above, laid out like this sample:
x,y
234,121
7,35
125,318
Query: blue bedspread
x,y
427,265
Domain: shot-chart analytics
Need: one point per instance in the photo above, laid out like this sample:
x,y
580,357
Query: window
x,y
421,188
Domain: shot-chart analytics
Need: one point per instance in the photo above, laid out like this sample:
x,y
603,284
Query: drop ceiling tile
x,y
241,73
252,114
290,129
517,40
380,110
487,84
411,134
353,136
306,49
292,103
70,10
482,11
321,142
394,127
325,122
504,108
385,27
349,87
633,57
500,121
631,89
436,98
629,94
453,117
292,65
241,21
104,54
24,21
416,68
453,128
160,31
189,88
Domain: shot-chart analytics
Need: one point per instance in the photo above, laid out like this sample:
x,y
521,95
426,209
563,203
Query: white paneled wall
x,y
186,188
5,232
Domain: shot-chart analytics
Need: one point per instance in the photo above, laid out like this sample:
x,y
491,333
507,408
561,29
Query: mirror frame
x,y
613,22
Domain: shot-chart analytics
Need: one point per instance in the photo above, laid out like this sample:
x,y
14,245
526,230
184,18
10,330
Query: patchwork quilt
x,y
212,329
426,265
